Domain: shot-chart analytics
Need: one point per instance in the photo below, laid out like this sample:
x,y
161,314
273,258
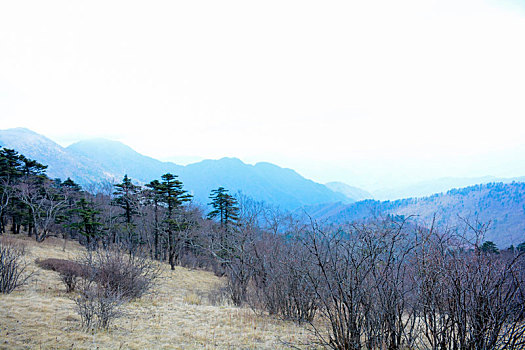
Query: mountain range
x,y
99,160
501,205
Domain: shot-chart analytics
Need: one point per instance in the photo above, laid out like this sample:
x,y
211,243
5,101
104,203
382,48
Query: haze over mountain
x,y
100,159
322,100
105,160
119,159
501,204
430,187
349,191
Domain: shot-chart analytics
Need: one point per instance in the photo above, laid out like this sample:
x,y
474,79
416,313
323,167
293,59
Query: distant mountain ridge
x,y
349,191
100,159
430,187
501,204
104,160
61,163
120,159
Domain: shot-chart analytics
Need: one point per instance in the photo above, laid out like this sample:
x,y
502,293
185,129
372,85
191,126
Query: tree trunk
x,y
156,234
171,252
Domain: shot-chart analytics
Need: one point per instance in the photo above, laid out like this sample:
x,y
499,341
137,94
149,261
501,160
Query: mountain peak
x,y
267,164
22,130
61,163
232,160
100,142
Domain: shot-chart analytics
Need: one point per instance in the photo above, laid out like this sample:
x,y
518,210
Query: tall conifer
x,y
174,196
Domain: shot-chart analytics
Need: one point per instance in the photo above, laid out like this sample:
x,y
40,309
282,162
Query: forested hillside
x,y
500,204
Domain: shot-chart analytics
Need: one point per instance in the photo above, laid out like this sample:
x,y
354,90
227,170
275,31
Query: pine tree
x,y
73,193
127,198
88,224
16,173
71,185
154,194
10,163
173,195
489,247
225,207
10,172
32,168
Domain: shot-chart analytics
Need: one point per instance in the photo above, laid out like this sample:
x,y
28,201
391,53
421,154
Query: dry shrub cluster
x,y
385,284
105,279
122,273
12,265
280,282
97,305
112,277
68,270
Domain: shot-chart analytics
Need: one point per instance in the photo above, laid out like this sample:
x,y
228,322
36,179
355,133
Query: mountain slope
x,y
352,192
61,163
262,181
430,187
118,159
502,204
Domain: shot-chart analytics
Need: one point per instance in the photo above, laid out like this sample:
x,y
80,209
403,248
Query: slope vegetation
x,y
182,312
500,204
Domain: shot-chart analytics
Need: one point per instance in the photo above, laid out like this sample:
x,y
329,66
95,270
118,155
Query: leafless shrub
x,y
239,262
385,284
68,270
364,280
12,265
342,268
111,278
470,299
98,306
85,306
281,284
127,275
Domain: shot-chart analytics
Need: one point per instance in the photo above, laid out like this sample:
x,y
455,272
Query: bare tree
x,y
5,199
281,282
44,201
12,266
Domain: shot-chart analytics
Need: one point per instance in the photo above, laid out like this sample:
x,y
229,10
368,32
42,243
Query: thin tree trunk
x,y
156,233
171,252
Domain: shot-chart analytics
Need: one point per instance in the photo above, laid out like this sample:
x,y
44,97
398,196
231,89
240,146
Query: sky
x,y
373,93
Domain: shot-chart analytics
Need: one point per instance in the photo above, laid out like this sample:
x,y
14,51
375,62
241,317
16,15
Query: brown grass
x,y
177,315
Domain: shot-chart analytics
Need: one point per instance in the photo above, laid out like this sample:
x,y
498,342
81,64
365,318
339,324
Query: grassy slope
x,y
177,315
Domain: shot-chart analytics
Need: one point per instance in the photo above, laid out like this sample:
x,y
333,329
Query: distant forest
x,y
500,205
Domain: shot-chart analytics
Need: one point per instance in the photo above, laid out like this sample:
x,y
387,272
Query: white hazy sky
x,y
360,91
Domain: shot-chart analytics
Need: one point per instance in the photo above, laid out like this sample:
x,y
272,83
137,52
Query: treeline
x,y
388,283
158,218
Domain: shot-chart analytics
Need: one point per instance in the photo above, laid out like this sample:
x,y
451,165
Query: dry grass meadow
x,y
178,314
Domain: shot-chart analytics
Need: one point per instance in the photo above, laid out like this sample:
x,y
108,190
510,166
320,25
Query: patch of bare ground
x,y
178,314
